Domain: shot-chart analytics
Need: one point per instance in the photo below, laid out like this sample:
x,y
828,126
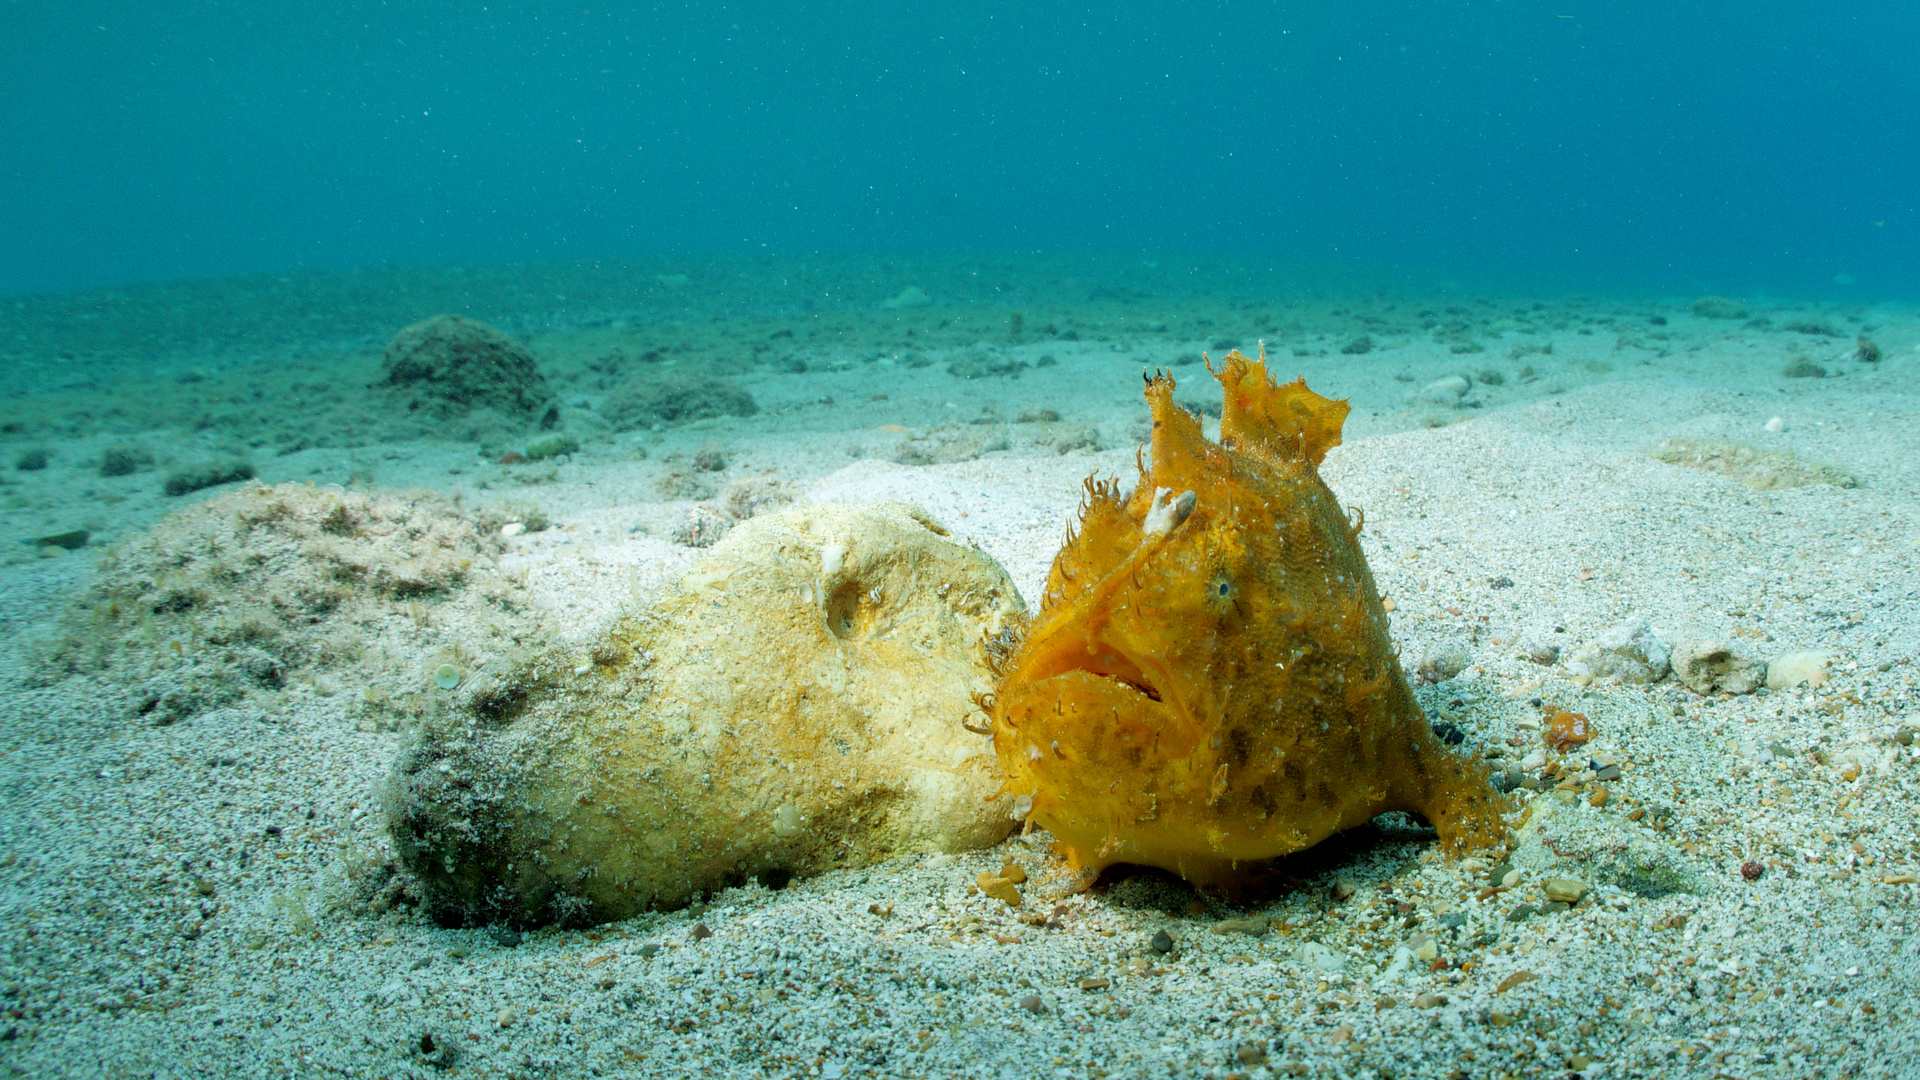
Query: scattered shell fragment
x,y
1514,980
1252,927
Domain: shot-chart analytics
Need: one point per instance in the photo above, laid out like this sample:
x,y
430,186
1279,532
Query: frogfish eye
x,y
1221,590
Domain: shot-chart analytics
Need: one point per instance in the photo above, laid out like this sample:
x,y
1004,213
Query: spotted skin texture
x,y
1209,681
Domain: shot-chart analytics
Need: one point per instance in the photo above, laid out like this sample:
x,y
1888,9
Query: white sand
x,y
154,926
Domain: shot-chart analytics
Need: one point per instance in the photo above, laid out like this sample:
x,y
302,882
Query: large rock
x,y
795,703
454,365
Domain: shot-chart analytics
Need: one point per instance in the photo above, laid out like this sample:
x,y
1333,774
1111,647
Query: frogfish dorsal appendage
x,y
1209,680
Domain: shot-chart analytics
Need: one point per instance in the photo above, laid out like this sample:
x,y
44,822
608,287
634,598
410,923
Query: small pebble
x,y
1032,1004
701,930
1343,889
1454,920
1566,730
1161,942
1498,875
999,888
1522,913
1751,870
1565,890
1428,1000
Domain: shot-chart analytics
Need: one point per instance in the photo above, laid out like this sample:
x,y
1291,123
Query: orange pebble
x,y
1566,730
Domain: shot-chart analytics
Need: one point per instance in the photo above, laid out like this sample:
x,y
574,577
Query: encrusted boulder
x,y
452,365
797,702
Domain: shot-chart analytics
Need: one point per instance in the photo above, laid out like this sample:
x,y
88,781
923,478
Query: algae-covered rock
x,y
794,704
451,365
675,397
1710,665
261,587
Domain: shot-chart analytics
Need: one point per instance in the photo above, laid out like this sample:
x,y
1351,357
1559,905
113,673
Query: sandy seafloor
x,y
178,899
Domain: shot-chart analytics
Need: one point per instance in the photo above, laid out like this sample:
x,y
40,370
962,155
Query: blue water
x,y
1746,148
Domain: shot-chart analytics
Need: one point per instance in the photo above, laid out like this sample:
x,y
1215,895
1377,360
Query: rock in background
x,y
794,704
471,376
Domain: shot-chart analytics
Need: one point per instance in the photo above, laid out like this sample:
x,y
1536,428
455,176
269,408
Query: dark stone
x,y
455,364
124,461
187,481
72,541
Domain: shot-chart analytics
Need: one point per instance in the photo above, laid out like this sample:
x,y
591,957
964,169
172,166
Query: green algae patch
x,y
551,447
1763,470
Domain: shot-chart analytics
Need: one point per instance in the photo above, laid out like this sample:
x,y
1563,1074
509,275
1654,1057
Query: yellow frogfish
x,y
1208,681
